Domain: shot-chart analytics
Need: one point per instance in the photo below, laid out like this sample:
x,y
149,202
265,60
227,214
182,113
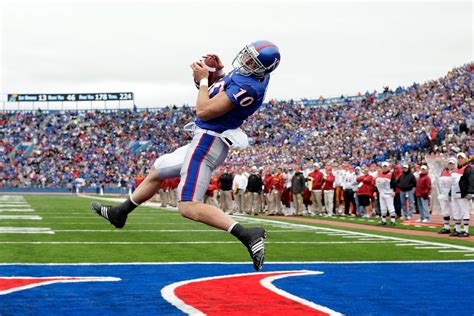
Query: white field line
x,y
27,217
332,230
407,244
16,210
429,247
338,234
178,242
25,230
161,231
14,205
11,198
469,254
459,250
12,202
370,239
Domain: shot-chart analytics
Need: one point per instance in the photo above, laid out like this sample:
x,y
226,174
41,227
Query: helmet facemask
x,y
246,63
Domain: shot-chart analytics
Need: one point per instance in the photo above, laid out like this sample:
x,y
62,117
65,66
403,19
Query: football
x,y
215,72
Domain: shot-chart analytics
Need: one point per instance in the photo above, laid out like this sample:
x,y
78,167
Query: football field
x,y
161,263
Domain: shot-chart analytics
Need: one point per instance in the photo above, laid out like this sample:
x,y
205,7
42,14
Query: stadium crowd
x,y
430,118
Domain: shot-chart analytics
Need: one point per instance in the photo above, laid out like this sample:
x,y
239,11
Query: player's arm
x,y
207,109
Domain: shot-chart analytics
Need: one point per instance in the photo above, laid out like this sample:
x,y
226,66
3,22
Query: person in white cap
x,y
461,195
423,190
445,182
407,183
386,183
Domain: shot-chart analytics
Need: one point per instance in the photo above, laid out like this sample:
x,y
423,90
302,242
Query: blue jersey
x,y
246,93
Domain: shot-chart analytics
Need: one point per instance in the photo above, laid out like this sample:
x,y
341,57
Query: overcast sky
x,y
146,47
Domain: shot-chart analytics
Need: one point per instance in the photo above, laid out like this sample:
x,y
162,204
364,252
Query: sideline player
x,y
386,184
461,195
220,109
445,182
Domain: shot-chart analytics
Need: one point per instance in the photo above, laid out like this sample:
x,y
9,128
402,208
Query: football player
x,y
220,109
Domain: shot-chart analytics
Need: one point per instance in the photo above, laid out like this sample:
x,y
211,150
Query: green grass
x,y
284,243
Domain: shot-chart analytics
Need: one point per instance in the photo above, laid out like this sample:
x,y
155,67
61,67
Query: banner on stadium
x,y
71,97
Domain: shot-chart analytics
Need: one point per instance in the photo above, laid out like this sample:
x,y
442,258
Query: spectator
x,y
239,186
348,182
225,194
267,189
278,183
366,189
407,185
315,184
328,190
423,190
254,189
297,188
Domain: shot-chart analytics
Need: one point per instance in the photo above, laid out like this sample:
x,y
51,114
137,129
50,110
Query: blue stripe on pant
x,y
200,153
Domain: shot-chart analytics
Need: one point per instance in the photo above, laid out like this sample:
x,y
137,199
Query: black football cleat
x,y
110,213
444,231
454,233
391,224
382,224
463,234
256,247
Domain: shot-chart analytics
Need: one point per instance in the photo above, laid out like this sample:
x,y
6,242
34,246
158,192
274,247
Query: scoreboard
x,y
71,97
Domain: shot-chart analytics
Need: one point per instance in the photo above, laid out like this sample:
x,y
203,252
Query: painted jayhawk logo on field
x,y
242,294
208,296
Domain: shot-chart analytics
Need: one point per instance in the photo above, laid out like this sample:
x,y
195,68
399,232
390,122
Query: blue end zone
x,y
351,289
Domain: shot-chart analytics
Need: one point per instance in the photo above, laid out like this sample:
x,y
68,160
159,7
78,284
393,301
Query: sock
x,y
392,218
231,227
457,223
240,232
446,222
466,225
383,220
127,207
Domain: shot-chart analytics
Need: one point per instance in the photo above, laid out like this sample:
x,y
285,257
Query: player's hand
x,y
220,65
199,71
393,194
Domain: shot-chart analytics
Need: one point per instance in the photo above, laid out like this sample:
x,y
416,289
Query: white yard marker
x,y
371,239
25,230
16,210
459,250
14,205
12,202
433,247
10,198
27,217
408,244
